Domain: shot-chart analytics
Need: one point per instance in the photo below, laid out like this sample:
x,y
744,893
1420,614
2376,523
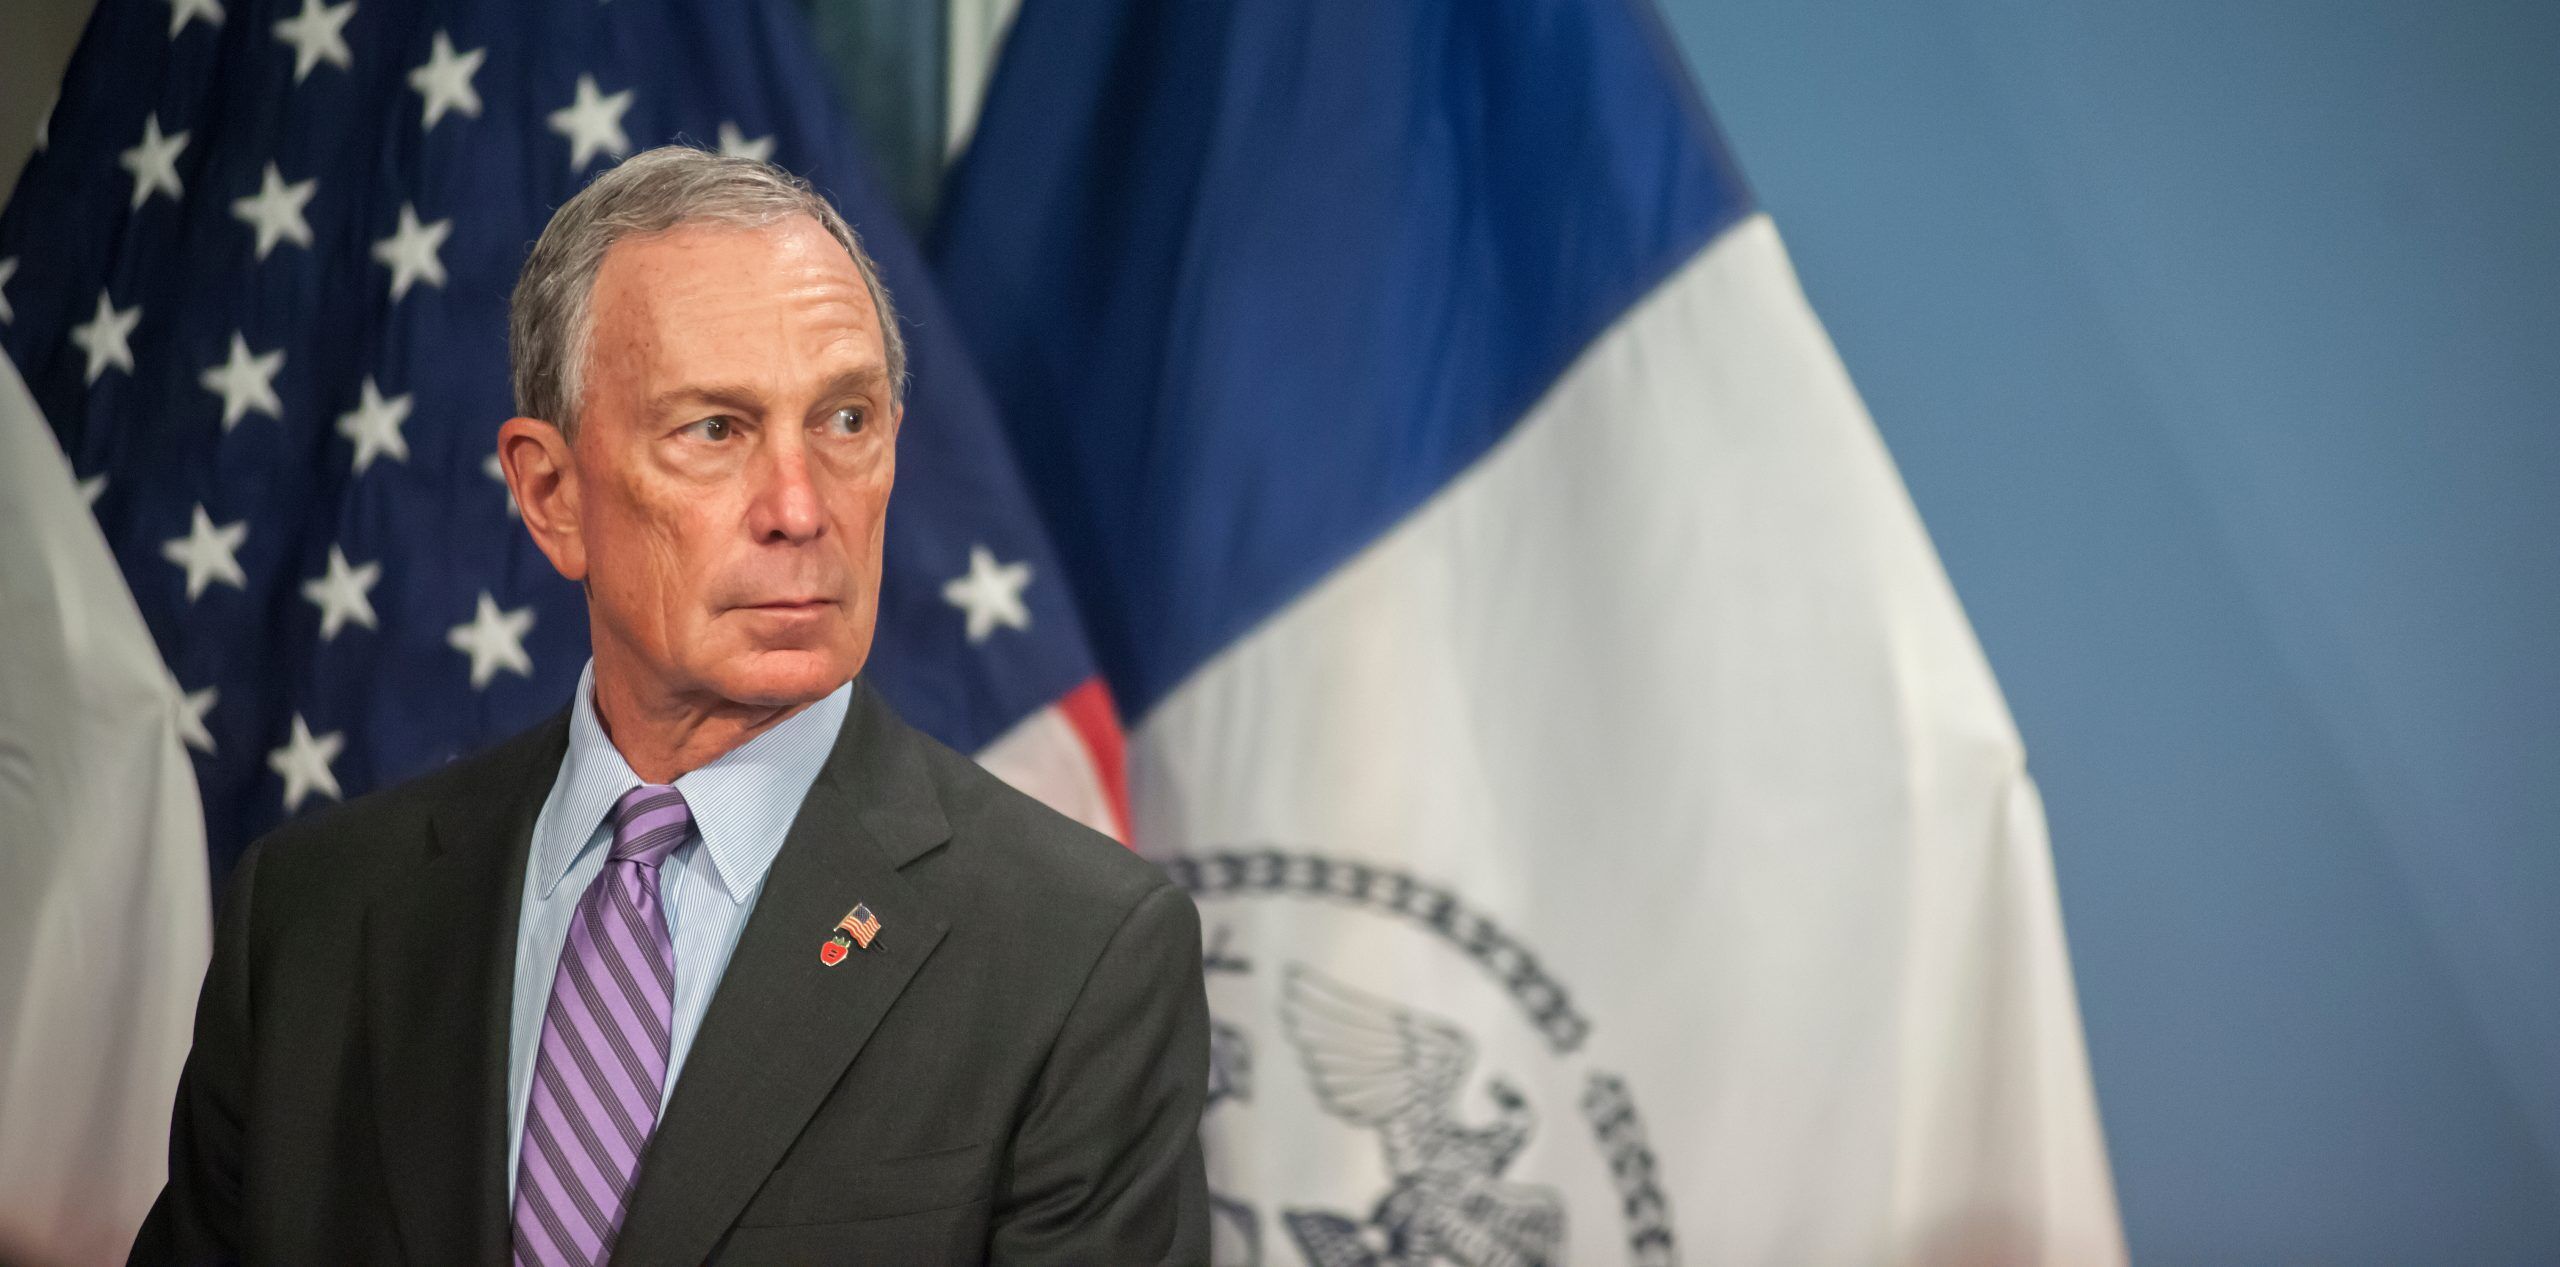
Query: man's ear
x,y
544,479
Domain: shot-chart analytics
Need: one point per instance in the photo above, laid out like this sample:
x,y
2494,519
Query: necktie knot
x,y
649,822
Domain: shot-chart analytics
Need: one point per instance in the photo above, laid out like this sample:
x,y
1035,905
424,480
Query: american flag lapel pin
x,y
857,928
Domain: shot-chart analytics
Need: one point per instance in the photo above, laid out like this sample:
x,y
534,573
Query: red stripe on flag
x,y
1089,709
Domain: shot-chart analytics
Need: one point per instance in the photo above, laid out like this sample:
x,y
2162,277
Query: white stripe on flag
x,y
1045,757
105,919
1670,692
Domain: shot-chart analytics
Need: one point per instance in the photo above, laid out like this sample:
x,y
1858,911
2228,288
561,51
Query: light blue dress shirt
x,y
742,804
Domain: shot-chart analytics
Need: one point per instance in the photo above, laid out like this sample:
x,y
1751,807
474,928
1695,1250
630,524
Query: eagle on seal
x,y
1398,1072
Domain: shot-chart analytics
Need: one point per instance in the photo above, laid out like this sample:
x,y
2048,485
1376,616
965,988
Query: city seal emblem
x,y
1380,1051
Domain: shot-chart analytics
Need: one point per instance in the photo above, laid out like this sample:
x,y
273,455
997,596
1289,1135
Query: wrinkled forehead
x,y
784,293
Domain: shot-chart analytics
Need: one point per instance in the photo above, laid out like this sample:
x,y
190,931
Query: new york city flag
x,y
1611,842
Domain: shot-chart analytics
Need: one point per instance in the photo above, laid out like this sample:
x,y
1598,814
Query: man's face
x,y
729,480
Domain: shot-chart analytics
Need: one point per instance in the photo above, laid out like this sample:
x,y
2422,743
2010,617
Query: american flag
x,y
256,278
861,923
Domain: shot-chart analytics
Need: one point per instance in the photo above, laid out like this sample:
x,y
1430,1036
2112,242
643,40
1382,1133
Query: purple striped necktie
x,y
603,1063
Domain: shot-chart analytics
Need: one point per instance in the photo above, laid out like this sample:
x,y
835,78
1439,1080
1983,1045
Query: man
x,y
726,963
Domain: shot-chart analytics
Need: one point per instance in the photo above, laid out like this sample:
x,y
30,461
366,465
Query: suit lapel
x,y
439,984
782,1026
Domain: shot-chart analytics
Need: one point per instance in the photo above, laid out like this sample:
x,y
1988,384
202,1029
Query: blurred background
x,y
2218,346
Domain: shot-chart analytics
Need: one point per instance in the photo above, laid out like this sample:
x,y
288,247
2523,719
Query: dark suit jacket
x,y
1014,1071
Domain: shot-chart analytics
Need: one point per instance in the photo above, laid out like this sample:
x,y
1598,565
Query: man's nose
x,y
784,506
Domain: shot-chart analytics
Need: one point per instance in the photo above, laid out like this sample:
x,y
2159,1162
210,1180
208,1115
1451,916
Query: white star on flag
x,y
192,706
154,162
593,124
318,34
181,11
737,144
494,640
445,81
245,382
374,426
207,553
103,337
410,252
275,211
343,594
304,760
991,594
8,269
92,488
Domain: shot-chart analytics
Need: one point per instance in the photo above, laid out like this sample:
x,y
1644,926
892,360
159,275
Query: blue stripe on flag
x,y
1251,282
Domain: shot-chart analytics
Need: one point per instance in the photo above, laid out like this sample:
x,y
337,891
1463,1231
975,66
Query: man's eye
x,y
713,429
846,421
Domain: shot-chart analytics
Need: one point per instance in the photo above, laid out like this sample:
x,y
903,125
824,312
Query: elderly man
x,y
726,962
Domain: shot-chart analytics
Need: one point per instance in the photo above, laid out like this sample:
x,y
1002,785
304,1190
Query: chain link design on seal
x,y
1267,872
1612,1113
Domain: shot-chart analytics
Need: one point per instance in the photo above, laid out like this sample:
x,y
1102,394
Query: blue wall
x,y
2219,345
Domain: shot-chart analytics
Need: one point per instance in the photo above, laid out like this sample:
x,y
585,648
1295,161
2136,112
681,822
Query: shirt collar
x,y
743,801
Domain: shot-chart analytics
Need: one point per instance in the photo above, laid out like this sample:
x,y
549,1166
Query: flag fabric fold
x,y
1611,841
105,919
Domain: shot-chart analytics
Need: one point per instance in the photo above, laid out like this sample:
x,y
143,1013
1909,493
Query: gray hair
x,y
550,321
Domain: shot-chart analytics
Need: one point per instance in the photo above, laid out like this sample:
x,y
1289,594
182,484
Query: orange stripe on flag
x,y
1089,709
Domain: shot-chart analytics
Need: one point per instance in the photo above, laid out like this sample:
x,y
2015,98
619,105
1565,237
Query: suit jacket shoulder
x,y
1031,858
349,1041
338,859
